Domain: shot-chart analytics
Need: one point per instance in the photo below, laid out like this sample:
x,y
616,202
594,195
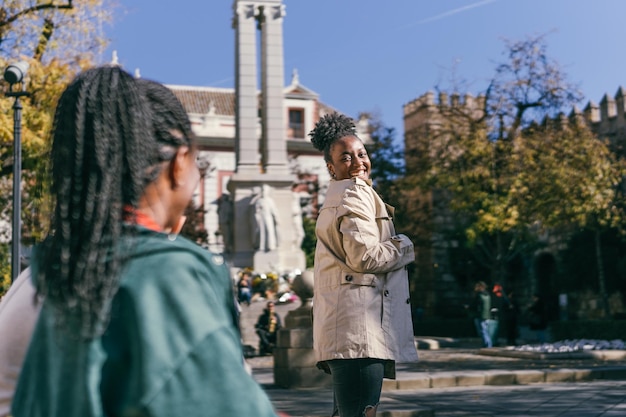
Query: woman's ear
x,y
178,167
331,170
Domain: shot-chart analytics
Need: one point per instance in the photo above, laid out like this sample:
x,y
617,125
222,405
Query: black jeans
x,y
267,341
357,384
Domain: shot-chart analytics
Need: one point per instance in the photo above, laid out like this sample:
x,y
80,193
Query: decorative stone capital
x,y
270,12
245,11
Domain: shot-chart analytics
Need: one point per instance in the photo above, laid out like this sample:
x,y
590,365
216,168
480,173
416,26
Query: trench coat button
x,y
408,301
386,293
348,278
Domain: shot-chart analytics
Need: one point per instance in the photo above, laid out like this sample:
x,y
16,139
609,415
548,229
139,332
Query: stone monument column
x,y
261,161
274,145
247,145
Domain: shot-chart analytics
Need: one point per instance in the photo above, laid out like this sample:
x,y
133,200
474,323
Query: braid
x,y
169,116
330,128
102,144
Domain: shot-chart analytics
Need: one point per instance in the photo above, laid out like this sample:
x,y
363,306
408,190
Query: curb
x,y
425,380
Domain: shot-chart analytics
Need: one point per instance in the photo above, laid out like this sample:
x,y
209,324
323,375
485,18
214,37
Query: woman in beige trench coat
x,y
361,308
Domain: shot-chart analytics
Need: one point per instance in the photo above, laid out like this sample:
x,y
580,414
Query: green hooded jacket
x,y
171,347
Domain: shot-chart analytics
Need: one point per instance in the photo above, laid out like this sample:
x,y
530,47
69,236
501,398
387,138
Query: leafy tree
x,y
527,87
411,210
386,155
309,241
67,30
57,39
570,182
388,175
5,271
495,175
568,177
193,228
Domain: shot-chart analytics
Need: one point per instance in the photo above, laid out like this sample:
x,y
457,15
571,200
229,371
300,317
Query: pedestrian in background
x,y
136,320
362,313
244,288
267,327
498,304
480,309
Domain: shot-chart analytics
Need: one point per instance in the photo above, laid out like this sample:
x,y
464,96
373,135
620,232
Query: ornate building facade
x,y
212,114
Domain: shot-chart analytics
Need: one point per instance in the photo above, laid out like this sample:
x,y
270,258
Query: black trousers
x,y
267,341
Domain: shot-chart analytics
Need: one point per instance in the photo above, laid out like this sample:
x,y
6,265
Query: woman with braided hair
x,y
137,321
362,314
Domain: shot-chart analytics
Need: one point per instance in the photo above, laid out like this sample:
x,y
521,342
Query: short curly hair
x,y
329,129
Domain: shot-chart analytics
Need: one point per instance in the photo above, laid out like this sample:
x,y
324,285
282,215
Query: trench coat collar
x,y
358,181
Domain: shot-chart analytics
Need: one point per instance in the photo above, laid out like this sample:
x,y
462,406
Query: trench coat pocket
x,y
355,278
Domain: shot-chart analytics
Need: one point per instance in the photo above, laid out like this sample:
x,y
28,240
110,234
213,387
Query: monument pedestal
x,y
266,261
294,359
285,257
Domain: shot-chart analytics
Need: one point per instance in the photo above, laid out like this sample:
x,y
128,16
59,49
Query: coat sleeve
x,y
360,227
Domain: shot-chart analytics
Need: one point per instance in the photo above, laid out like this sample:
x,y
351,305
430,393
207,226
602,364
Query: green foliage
x,y
389,178
309,241
387,157
579,272
45,83
57,39
567,176
193,228
5,269
498,181
64,30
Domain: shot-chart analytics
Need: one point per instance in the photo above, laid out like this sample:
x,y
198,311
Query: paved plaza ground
x,y
465,381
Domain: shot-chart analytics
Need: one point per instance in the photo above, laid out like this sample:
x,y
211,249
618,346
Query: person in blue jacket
x,y
137,320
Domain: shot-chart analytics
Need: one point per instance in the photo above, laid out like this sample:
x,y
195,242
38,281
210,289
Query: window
x,y
296,124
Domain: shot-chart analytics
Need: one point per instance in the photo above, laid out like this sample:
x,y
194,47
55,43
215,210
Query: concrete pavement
x,y
585,399
457,378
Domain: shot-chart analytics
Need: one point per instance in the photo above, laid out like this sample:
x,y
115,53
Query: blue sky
x,y
365,55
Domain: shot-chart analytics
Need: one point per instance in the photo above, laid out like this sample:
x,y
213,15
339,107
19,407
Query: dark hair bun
x,y
330,128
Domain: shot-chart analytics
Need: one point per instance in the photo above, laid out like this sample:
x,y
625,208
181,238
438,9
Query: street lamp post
x,y
14,74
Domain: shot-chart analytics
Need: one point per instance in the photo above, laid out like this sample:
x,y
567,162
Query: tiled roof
x,y
326,109
198,100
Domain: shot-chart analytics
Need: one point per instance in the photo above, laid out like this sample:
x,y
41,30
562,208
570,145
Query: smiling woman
x,y
362,313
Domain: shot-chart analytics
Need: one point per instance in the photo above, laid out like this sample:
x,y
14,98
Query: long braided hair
x,y
111,133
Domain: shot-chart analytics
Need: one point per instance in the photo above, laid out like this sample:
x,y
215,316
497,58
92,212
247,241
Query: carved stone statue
x,y
297,221
263,220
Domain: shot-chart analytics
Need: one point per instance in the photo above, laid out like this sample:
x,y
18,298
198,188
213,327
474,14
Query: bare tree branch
x,y
10,19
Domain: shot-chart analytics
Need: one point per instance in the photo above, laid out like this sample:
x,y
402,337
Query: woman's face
x,y
349,159
186,181
192,174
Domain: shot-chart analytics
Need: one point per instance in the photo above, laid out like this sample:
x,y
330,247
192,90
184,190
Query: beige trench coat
x,y
361,305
